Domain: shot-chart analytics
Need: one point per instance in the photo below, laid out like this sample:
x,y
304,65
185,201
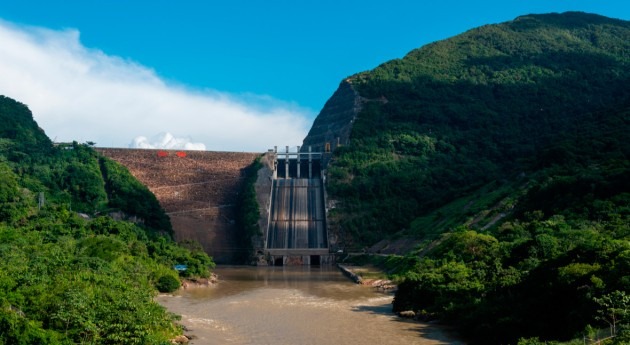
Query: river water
x,y
294,305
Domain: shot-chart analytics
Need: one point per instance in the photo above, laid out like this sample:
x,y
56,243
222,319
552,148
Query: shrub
x,y
167,283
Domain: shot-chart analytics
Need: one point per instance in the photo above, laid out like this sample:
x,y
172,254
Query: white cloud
x,y
82,94
166,141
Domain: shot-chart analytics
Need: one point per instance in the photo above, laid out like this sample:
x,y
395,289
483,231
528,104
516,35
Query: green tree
x,y
614,309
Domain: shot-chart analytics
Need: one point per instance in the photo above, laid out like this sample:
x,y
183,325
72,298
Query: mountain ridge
x,y
495,163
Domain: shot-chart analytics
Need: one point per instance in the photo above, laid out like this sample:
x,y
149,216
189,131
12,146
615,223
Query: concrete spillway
x,y
296,232
297,215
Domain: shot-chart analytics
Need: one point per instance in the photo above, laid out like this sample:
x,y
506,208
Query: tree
x,y
614,309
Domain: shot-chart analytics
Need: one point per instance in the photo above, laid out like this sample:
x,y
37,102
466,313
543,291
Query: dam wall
x,y
197,189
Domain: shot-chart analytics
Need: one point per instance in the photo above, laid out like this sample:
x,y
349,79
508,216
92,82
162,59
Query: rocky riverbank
x,y
368,276
199,282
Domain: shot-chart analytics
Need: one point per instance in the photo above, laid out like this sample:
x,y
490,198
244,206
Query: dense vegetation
x,y
504,153
248,214
69,277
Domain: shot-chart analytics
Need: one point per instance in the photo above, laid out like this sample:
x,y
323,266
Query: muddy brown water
x,y
294,305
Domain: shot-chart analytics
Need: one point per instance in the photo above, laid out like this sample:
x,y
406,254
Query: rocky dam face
x,y
197,189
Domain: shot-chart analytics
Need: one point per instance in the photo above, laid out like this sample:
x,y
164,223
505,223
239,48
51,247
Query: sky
x,y
217,75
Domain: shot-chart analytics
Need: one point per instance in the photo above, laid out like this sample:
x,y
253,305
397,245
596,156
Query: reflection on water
x,y
293,305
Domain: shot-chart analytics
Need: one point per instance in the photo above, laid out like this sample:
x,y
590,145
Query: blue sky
x,y
272,62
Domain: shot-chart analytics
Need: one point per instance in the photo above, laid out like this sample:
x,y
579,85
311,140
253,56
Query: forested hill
x,y
497,160
70,273
486,105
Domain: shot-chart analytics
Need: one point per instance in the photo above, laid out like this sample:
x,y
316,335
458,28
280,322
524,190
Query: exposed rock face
x,y
197,189
334,123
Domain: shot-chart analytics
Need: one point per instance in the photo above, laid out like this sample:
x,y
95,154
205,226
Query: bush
x,y
167,283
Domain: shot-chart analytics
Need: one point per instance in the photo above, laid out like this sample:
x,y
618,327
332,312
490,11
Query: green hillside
x,y
69,272
502,156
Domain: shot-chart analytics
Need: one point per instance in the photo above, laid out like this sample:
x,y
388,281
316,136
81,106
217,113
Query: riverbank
x,y
368,276
199,282
186,284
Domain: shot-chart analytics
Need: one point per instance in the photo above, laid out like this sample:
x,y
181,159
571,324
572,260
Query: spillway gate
x,y
296,234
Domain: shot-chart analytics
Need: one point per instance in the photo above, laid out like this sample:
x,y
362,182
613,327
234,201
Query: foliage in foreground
x,y
547,278
70,278
67,280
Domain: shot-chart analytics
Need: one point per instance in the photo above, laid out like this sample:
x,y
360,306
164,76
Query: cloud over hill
x,y
83,94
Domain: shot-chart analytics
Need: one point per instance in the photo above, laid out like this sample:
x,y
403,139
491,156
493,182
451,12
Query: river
x,y
294,305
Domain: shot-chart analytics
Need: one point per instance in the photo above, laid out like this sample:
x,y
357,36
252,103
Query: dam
x,y
199,190
296,232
